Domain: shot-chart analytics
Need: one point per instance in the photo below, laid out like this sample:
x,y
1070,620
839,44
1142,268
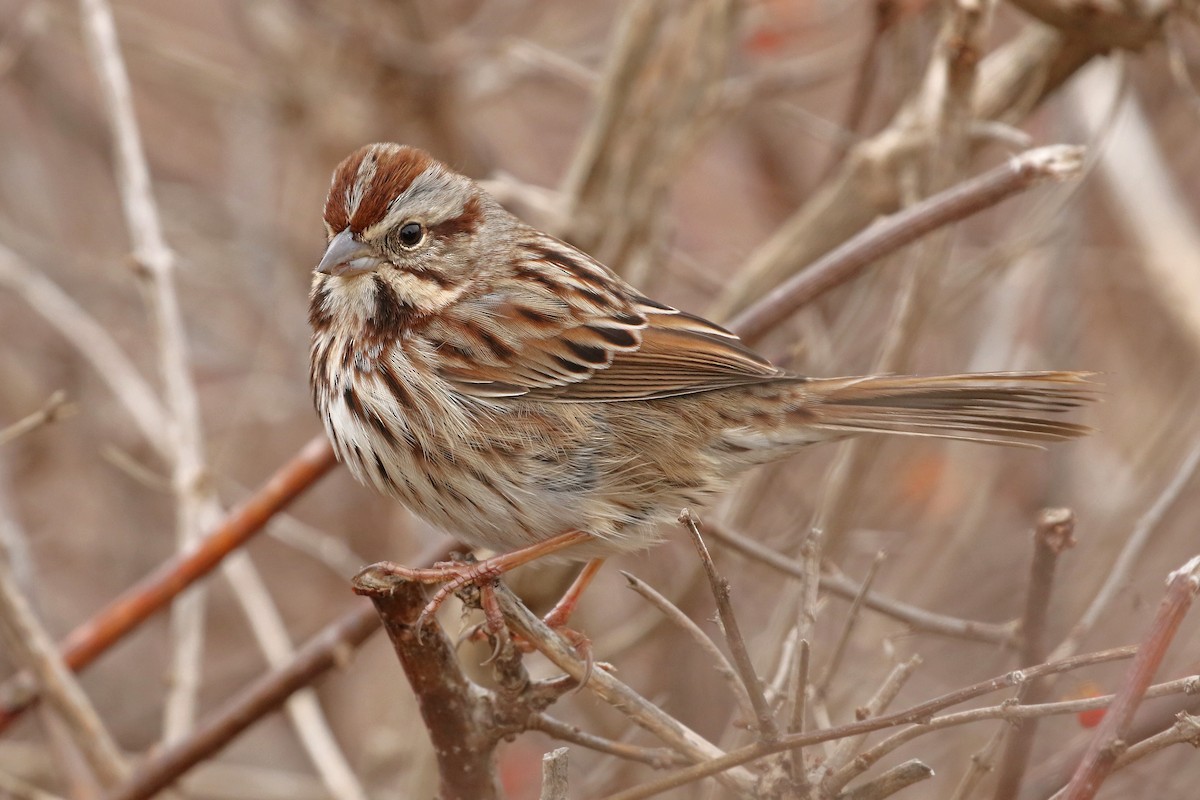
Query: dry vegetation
x,y
710,150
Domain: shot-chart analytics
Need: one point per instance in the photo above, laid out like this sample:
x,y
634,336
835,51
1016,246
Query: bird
x,y
517,393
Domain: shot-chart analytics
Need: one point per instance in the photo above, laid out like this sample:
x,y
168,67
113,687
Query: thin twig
x,y
921,713
608,688
768,730
1020,173
329,649
890,782
830,775
1185,729
916,618
32,646
1118,576
657,757
1111,735
150,595
839,649
157,266
1008,710
981,765
54,409
1052,535
687,625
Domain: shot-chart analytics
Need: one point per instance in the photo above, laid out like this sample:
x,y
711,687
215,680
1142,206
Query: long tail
x,y
1011,408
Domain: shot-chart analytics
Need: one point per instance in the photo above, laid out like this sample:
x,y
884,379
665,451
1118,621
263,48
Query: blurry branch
x,y
54,409
1117,578
17,789
1107,25
1009,710
1112,735
1186,729
916,618
660,94
1013,80
1055,769
685,623
329,649
980,766
93,342
839,649
889,783
807,605
920,716
156,263
32,646
842,766
657,757
767,729
1020,173
1053,534
150,595
1149,201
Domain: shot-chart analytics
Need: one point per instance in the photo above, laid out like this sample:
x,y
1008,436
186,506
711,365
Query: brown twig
x,y
1118,576
1052,535
687,625
768,730
917,618
145,598
657,757
920,713
1110,737
830,775
54,409
31,645
839,649
329,649
1008,710
195,509
1020,173
889,783
639,710
449,706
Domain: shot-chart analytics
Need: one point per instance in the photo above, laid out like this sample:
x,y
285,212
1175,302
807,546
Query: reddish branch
x,y
154,592
328,649
1112,736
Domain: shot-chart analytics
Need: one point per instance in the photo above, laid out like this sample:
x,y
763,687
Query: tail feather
x,y
1011,408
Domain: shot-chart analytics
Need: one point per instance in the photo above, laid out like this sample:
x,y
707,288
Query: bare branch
x,y
329,649
554,775
1021,173
29,642
768,730
1053,534
93,637
1112,734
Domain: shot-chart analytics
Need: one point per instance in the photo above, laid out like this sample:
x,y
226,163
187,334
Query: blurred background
x,y
731,122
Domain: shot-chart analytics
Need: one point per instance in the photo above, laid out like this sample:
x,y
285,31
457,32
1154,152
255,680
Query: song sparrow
x,y
515,392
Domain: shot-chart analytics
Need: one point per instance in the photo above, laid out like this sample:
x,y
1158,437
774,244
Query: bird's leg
x,y
558,616
453,575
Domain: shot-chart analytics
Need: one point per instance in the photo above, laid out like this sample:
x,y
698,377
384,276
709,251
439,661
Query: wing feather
x,y
576,332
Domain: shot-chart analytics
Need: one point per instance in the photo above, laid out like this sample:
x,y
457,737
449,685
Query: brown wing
x,y
565,329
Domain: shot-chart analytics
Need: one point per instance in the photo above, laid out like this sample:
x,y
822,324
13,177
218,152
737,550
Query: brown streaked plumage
x,y
509,388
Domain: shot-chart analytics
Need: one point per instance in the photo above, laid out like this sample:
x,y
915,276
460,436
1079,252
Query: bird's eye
x,y
411,234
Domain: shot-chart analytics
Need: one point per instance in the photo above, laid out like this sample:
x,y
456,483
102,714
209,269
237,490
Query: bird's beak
x,y
345,257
